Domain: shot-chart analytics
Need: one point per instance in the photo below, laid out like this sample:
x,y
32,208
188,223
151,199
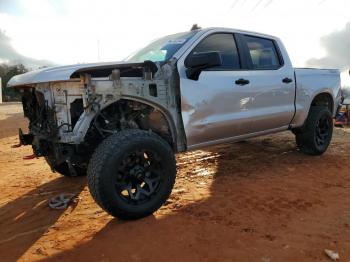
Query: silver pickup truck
x,y
121,123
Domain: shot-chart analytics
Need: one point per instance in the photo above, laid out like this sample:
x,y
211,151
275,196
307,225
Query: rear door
x,y
271,84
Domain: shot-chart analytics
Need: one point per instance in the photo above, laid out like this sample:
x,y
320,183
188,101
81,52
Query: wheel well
x,y
129,114
323,99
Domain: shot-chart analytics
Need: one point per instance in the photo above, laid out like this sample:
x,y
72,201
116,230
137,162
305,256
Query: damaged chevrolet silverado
x,y
122,123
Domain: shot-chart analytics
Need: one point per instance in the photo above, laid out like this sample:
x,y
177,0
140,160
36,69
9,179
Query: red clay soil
x,y
259,200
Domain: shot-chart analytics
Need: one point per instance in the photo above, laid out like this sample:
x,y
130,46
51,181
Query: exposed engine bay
x,y
68,119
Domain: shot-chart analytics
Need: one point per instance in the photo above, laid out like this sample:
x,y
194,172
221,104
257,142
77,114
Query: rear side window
x,y
224,44
263,53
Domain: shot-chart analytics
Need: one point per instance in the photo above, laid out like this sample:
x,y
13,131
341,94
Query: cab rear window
x,y
263,53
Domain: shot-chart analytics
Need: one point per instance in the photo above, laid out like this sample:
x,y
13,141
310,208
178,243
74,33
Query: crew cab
x,y
122,122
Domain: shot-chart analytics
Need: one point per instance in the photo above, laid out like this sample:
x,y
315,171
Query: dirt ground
x,y
258,200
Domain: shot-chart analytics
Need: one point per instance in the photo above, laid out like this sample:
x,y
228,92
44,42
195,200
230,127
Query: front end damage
x,y
69,117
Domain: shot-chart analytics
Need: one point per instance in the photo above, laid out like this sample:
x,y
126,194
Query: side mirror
x,y
197,62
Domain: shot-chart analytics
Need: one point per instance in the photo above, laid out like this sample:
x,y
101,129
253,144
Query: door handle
x,y
287,80
242,82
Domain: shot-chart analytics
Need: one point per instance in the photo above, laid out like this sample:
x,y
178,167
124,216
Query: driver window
x,y
223,43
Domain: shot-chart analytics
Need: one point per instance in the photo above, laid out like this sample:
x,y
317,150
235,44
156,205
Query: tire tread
x,y
305,136
114,145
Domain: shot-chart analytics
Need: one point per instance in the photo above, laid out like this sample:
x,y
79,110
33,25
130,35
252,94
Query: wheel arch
x,y
163,111
323,99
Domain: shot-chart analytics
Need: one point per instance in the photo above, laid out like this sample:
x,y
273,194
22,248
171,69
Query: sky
x,y
315,32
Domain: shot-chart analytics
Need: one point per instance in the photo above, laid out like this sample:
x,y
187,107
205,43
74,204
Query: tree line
x,y
6,72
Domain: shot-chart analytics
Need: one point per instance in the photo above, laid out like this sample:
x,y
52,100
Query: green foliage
x,y
6,73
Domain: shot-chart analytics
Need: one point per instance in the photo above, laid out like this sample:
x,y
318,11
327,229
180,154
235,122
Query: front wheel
x,y
131,174
316,135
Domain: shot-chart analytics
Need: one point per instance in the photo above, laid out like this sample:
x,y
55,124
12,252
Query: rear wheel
x,y
315,137
131,174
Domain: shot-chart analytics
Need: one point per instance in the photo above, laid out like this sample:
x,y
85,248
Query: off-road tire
x,y
308,138
106,162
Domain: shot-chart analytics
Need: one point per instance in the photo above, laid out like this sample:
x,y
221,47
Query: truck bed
x,y
309,83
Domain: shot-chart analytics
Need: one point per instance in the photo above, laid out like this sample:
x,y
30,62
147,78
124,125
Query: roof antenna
x,y
98,49
195,27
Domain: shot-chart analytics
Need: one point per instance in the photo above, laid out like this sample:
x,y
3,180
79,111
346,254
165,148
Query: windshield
x,y
162,49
